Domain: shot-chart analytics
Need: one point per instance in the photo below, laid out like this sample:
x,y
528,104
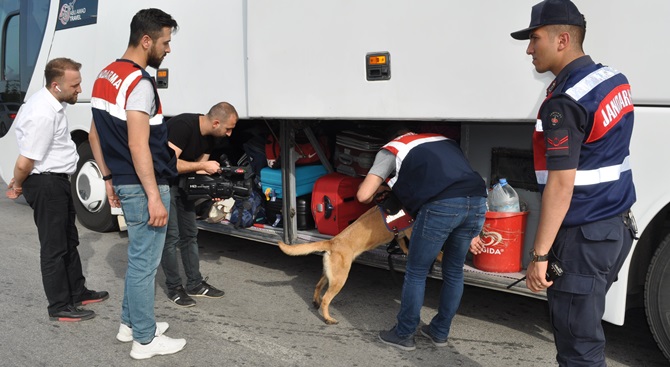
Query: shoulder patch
x,y
557,142
555,118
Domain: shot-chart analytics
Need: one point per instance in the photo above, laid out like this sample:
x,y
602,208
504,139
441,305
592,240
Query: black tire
x,y
657,296
97,216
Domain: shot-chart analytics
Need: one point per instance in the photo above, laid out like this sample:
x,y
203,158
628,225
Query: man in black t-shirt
x,y
191,136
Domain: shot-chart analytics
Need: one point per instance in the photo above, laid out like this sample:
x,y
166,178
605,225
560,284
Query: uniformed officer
x,y
581,147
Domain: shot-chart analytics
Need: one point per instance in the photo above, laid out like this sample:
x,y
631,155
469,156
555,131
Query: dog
x,y
366,233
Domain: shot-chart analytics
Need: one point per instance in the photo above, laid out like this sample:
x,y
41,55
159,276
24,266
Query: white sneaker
x,y
125,333
161,345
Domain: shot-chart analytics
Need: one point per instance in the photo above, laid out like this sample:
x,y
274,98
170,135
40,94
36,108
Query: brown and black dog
x,y
366,233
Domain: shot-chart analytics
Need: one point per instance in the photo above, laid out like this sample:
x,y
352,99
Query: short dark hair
x,y
576,33
396,129
222,111
150,22
56,68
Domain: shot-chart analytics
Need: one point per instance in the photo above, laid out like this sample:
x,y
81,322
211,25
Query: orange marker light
x,y
377,60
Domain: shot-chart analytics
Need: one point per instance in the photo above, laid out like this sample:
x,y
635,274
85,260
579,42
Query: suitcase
x,y
334,203
273,212
305,176
355,152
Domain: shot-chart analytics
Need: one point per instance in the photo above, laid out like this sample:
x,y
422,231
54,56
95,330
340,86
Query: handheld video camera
x,y
230,181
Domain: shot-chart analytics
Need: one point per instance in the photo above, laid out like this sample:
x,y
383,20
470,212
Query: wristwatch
x,y
538,258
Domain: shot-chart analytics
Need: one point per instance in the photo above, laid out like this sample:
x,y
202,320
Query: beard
x,y
155,59
72,99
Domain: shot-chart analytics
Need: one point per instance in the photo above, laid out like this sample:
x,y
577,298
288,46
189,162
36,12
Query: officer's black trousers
x,y
591,256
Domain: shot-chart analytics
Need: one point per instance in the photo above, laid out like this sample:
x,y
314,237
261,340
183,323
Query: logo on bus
x,y
65,10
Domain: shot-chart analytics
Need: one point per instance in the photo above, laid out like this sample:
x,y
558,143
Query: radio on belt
x,y
378,66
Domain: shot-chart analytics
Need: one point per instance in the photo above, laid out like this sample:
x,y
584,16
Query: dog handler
x,y
447,198
581,146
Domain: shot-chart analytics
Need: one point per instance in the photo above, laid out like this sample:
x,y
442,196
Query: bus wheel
x,y
88,194
657,297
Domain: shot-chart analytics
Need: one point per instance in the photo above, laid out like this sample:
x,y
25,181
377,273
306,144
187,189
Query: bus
x,y
300,65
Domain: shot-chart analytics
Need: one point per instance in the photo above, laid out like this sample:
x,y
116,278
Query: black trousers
x,y
591,256
54,214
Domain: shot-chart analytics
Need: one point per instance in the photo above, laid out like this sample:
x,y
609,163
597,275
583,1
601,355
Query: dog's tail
x,y
304,248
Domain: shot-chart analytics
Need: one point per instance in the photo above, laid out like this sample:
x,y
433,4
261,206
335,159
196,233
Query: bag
x,y
247,211
306,152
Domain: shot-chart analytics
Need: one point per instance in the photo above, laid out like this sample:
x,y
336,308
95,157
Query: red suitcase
x,y
334,203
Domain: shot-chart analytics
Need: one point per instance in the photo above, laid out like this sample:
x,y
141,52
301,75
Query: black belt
x,y
63,175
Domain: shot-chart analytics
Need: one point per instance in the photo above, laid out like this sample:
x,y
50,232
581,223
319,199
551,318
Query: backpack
x,y
306,152
249,210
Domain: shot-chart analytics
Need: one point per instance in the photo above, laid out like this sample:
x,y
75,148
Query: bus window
x,y
23,25
10,54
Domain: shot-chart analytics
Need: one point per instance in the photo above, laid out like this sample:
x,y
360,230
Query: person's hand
x,y
13,191
211,167
477,245
536,276
113,199
158,215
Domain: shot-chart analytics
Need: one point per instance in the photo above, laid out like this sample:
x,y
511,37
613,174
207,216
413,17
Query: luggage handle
x,y
328,207
345,159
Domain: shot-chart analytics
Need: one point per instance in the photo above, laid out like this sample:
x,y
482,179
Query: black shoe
x,y
180,298
205,290
425,330
72,314
90,296
391,338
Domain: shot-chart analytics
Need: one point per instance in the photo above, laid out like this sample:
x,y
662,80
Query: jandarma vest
x,y
604,181
110,95
431,167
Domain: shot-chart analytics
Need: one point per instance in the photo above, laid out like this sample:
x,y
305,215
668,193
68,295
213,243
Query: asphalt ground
x,y
266,317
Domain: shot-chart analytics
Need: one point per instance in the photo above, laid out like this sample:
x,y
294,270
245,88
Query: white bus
x,y
301,63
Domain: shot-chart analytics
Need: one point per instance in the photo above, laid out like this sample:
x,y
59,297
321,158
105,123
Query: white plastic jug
x,y
503,198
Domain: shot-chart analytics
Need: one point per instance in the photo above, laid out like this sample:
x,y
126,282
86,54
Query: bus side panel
x,y
307,59
206,63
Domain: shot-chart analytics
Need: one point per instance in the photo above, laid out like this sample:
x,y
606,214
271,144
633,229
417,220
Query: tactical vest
x,y
109,97
604,180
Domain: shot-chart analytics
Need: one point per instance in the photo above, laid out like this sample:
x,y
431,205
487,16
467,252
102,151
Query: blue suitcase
x,y
305,177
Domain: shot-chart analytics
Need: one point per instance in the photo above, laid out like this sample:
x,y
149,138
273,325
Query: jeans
x,y
448,224
145,246
54,214
182,233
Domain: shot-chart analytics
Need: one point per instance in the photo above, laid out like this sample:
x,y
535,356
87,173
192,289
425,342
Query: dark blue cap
x,y
551,12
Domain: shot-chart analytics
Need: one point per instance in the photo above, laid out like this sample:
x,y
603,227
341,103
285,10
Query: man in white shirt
x,y
47,157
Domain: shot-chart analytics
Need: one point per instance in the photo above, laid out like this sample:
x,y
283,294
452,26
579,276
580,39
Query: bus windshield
x,y
23,25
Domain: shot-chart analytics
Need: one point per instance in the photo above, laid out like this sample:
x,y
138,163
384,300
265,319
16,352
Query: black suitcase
x,y
273,212
355,152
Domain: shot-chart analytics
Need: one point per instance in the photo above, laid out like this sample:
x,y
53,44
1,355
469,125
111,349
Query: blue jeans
x,y
145,245
450,224
182,233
